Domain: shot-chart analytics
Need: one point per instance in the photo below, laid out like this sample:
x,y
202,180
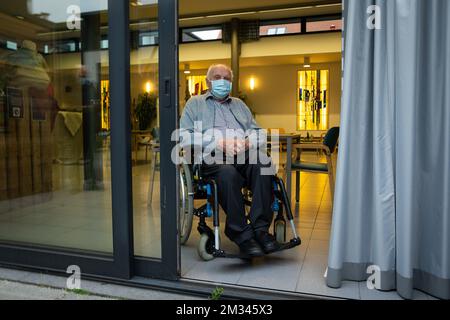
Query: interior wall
x,y
4,52
305,44
216,50
274,99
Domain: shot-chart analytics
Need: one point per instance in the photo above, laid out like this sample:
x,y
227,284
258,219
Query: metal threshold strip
x,y
203,289
255,293
190,287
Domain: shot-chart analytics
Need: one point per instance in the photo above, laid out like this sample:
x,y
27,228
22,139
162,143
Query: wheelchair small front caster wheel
x,y
280,231
205,248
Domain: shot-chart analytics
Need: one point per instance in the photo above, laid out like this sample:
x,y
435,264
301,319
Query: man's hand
x,y
233,147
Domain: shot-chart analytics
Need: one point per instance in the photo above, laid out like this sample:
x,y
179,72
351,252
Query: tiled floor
x,y
73,218
301,269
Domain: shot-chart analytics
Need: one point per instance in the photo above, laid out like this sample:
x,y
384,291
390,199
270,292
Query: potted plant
x,y
145,111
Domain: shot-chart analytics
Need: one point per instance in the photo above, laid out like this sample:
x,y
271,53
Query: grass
x,y
216,294
80,292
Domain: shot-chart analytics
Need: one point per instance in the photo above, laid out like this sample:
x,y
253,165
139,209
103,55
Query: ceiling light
x,y
191,18
187,69
327,5
285,9
260,11
307,63
231,14
20,17
207,34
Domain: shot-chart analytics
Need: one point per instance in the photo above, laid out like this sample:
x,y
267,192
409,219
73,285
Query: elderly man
x,y
229,119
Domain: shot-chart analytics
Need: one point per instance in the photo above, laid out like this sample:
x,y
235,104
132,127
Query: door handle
x,y
166,93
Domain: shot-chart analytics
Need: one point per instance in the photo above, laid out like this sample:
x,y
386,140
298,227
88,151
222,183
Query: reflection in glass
x,y
54,127
145,129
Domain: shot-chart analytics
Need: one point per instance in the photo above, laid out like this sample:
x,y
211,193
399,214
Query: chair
x,y
277,131
147,142
328,146
314,142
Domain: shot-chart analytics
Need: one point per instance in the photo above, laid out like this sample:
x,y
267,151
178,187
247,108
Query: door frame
x,y
122,264
168,267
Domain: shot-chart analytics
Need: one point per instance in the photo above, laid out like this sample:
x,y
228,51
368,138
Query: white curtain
x,y
392,201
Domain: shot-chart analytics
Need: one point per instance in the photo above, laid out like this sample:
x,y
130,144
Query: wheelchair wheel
x,y
186,203
205,247
280,231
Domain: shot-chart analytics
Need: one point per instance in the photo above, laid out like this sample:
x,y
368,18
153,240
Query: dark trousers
x,y
230,179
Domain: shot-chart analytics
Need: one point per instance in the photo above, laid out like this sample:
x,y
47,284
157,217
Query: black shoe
x,y
251,248
267,242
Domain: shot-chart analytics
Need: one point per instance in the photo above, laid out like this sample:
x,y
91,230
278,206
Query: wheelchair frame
x,y
206,189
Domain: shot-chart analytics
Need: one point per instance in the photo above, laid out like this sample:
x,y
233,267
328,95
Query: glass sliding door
x,y
84,105
145,109
55,159
153,111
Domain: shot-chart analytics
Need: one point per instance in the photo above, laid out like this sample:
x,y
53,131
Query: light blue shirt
x,y
225,123
200,115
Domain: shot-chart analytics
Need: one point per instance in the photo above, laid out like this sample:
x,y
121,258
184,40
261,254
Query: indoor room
x,y
287,64
290,78
92,94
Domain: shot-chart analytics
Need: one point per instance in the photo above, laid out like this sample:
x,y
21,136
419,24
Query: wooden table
x,y
289,139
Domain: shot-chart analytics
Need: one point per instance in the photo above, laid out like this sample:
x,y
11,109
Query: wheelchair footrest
x,y
283,246
223,254
289,245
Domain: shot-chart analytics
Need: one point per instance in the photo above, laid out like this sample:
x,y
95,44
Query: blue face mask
x,y
221,88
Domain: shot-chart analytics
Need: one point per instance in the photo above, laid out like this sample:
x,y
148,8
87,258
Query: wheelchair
x,y
194,186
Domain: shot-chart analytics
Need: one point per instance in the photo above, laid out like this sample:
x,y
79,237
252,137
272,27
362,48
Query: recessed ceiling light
x,y
187,69
307,63
20,17
230,14
208,34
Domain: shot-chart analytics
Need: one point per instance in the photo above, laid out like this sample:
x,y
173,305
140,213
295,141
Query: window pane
x,y
11,45
55,172
279,29
325,25
148,38
201,34
104,44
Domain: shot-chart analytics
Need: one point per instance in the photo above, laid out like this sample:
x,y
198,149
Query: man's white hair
x,y
214,66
